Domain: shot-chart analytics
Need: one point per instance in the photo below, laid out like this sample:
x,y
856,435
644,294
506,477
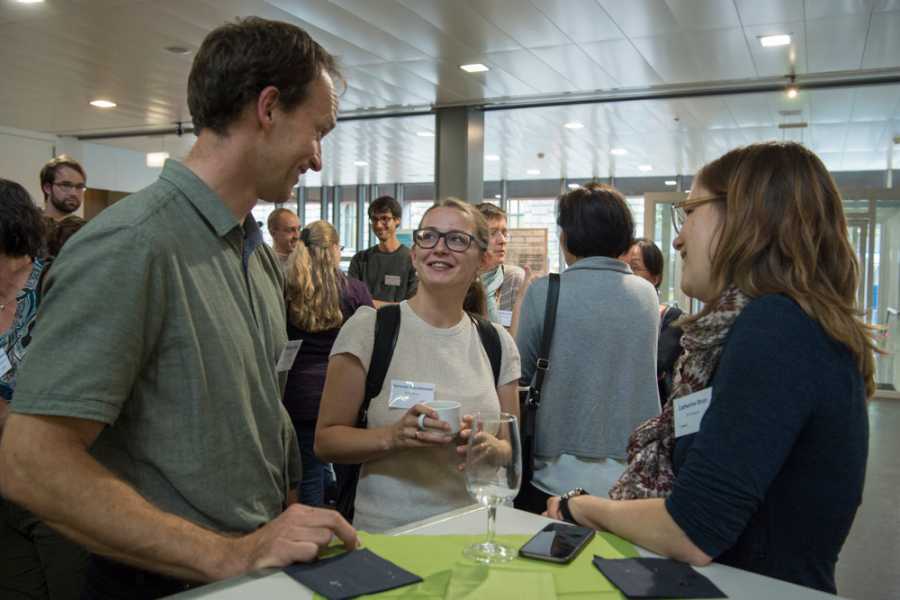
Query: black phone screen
x,y
557,542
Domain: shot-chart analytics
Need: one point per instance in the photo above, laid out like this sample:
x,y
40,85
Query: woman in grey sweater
x,y
602,377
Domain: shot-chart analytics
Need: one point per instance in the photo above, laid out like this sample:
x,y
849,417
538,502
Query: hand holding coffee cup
x,y
447,411
420,427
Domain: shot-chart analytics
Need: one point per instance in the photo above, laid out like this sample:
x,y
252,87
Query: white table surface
x,y
273,584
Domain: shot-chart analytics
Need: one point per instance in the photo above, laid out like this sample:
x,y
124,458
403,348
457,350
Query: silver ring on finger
x,y
421,422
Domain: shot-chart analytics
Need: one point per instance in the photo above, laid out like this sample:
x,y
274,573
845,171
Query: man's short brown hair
x,y
48,171
490,211
238,60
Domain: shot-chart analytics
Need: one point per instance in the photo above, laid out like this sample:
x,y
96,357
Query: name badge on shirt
x,y
405,394
506,318
392,280
5,365
286,360
689,411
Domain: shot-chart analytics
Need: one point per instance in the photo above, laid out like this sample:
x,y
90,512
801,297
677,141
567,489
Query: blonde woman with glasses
x,y
759,459
410,459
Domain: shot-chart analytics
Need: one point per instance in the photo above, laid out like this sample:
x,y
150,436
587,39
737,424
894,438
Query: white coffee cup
x,y
448,411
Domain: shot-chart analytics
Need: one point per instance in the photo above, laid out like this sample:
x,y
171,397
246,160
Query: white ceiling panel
x,y
622,61
580,20
526,66
822,9
829,106
875,103
573,63
769,12
686,57
883,44
461,22
521,21
837,44
828,138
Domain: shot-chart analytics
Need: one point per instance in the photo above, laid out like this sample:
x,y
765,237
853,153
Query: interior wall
x,y
22,154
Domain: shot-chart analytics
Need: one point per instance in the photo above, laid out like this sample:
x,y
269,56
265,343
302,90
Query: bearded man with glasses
x,y
63,183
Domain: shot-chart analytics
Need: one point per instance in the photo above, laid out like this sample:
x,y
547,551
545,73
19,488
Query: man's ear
x,y
47,188
265,105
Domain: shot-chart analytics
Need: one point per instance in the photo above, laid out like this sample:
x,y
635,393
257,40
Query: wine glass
x,y
493,475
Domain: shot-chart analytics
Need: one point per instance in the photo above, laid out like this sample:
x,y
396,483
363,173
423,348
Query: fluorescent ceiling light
x,y
360,163
533,171
99,103
156,159
645,168
491,157
671,182
618,151
573,186
30,1
792,92
475,68
574,125
425,133
771,41
498,196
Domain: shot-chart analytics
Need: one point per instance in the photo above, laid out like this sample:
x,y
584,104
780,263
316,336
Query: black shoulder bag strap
x,y
490,339
543,360
387,330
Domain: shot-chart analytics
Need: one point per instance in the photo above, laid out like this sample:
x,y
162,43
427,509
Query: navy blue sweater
x,y
772,480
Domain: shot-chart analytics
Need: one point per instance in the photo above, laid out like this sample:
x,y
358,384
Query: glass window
x,y
348,221
537,213
313,210
261,213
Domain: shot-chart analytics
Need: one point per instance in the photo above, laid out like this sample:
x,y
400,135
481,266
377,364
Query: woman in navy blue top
x,y
770,476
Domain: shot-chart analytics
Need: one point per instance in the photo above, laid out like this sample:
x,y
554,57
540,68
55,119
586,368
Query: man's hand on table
x,y
296,535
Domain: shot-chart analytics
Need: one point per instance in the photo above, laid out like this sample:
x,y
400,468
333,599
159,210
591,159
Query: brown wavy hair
x,y
784,232
314,280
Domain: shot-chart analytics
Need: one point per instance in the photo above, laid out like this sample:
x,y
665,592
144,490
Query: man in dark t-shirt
x,y
385,268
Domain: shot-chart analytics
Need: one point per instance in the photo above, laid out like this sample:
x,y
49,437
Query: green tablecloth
x,y
438,560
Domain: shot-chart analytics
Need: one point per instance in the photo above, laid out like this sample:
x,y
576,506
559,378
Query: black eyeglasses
x,y
69,186
457,241
679,209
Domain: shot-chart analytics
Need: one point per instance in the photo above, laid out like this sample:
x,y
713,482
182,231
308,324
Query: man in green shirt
x,y
147,423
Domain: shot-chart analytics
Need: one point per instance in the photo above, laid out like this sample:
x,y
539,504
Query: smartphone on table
x,y
557,542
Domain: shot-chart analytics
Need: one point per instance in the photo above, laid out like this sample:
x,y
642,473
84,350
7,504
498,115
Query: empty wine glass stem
x,y
492,518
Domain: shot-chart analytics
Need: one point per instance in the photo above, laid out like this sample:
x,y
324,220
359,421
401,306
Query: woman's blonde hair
x,y
314,280
482,230
784,232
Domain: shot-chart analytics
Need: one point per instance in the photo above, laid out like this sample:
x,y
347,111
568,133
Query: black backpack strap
x,y
543,360
387,330
490,339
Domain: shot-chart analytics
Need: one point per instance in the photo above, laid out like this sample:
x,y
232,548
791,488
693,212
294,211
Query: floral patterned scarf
x,y
650,447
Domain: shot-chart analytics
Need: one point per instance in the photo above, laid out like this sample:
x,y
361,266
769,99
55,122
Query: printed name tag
x,y
5,366
689,411
506,318
392,280
405,394
286,361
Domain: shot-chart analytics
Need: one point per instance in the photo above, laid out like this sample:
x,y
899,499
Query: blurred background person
x,y
646,260
501,281
602,380
63,182
768,478
284,227
410,464
320,298
35,561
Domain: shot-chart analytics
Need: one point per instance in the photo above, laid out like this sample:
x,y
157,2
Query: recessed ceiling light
x,y
156,159
792,91
671,182
491,157
645,168
618,151
771,41
533,171
573,186
99,103
30,1
573,125
425,133
498,196
360,163
179,50
475,68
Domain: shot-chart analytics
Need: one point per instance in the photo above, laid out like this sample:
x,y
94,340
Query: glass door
x,y
658,227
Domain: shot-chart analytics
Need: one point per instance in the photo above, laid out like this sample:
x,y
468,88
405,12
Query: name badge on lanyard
x,y
286,360
406,394
392,280
689,411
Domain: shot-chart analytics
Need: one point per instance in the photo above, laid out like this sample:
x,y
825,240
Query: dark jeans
x,y
36,563
109,580
312,486
532,499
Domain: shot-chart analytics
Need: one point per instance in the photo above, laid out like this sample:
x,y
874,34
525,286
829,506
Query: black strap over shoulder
x,y
387,330
543,360
490,339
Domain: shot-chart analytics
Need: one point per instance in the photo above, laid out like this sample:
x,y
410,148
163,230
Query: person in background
x,y
35,561
284,227
646,260
602,377
385,268
320,298
501,281
769,475
63,182
159,441
410,464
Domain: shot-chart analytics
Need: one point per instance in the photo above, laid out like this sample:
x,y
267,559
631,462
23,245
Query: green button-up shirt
x,y
164,318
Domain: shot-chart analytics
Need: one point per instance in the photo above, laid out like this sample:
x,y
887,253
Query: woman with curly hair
x,y
770,476
319,299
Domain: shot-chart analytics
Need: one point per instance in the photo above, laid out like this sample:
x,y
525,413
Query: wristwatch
x,y
564,504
